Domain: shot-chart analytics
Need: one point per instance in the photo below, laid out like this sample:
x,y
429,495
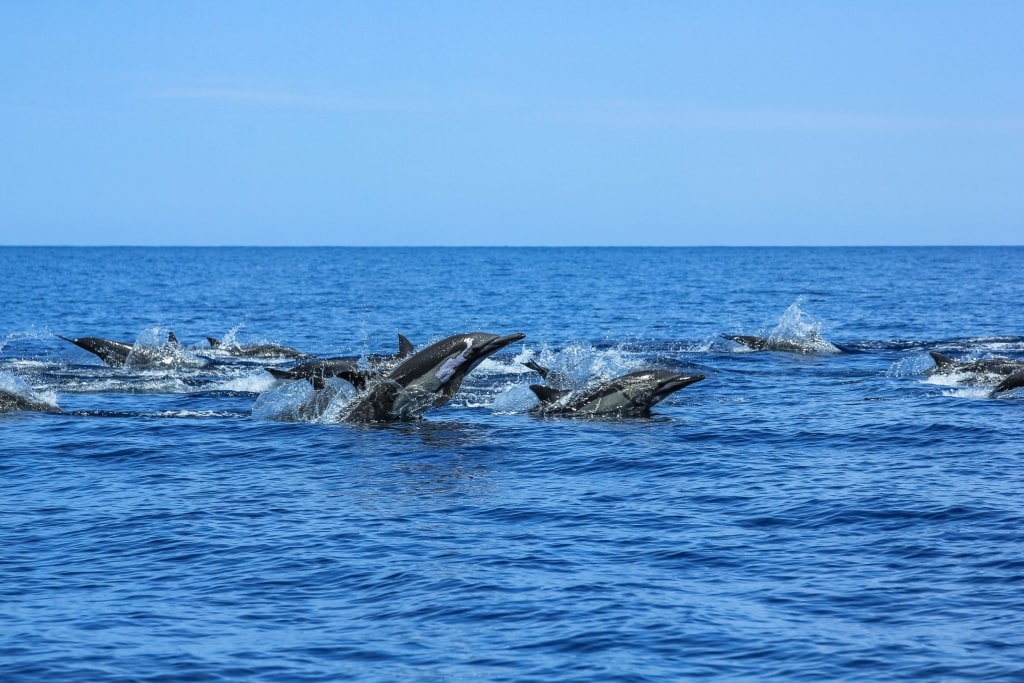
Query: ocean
x,y
849,513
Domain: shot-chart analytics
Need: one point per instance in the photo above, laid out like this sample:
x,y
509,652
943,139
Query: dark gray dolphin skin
x,y
625,396
1014,381
113,353
944,365
813,345
346,367
13,401
258,350
427,379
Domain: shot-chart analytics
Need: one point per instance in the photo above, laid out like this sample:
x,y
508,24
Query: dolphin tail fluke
x,y
538,368
405,347
548,394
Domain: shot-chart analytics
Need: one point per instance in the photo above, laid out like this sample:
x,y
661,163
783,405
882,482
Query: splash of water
x,y
298,401
794,325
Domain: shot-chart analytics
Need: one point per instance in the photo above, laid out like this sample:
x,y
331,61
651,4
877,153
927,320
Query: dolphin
x,y
813,344
628,395
346,367
16,395
12,401
944,365
1012,382
113,353
427,379
258,350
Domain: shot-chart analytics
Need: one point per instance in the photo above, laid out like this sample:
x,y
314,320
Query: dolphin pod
x,y
408,383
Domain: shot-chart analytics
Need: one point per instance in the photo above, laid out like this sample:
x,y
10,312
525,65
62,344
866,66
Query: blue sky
x,y
522,123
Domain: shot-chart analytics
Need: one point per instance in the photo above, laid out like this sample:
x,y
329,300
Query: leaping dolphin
x,y
1012,382
944,365
11,402
16,395
813,344
427,379
113,353
346,367
257,350
629,395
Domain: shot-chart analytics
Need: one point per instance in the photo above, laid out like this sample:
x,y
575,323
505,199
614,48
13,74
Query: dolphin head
x,y
667,383
635,393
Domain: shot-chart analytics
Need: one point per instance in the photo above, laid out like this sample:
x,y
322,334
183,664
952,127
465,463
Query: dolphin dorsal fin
x,y
171,339
214,342
547,394
941,359
538,368
405,347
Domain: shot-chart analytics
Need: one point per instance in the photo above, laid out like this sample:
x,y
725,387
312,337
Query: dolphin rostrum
x,y
628,395
427,379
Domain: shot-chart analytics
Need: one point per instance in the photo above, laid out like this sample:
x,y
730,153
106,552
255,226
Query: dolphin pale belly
x,y
427,379
629,395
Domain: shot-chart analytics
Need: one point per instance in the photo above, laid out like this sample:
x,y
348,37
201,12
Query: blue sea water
x,y
836,516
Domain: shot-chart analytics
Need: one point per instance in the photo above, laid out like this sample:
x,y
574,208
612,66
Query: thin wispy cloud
x,y
644,115
227,94
616,114
294,100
